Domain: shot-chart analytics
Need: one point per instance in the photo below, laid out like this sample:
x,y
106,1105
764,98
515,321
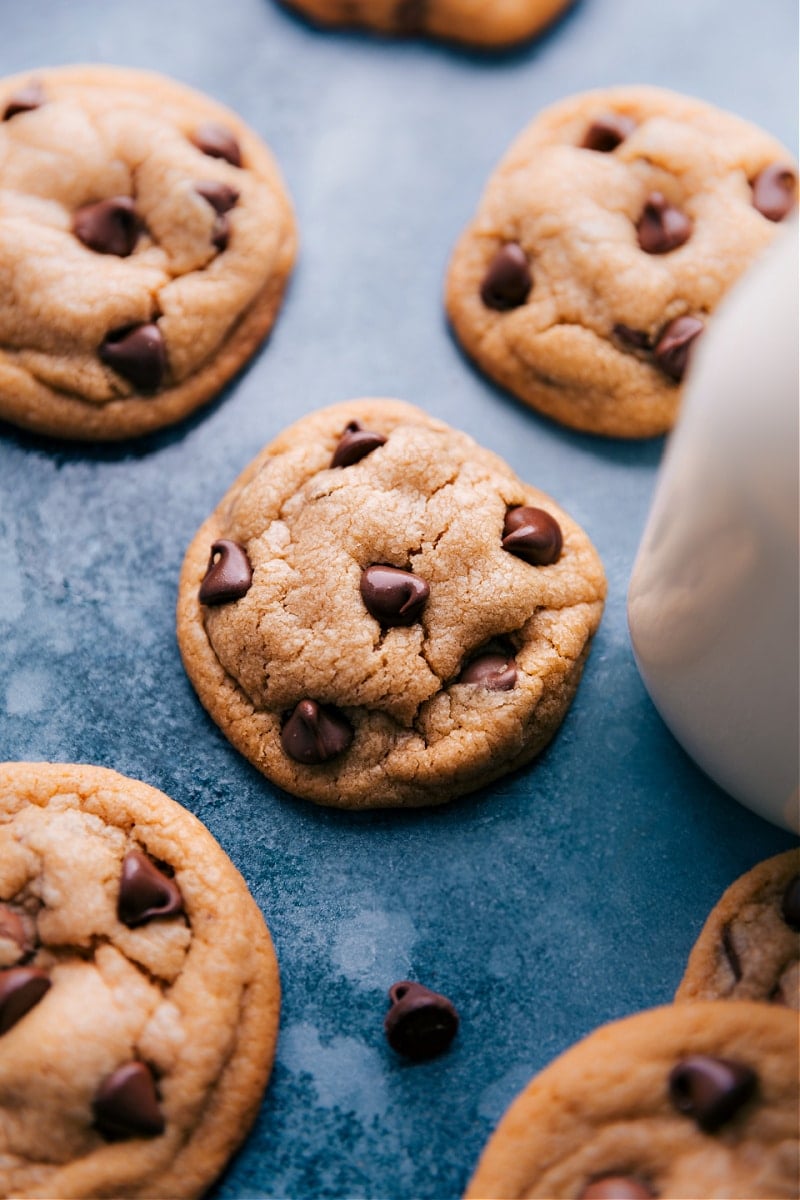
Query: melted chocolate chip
x,y
126,1104
662,227
355,443
608,132
108,227
12,929
221,196
731,953
313,734
508,279
790,904
617,1187
494,671
21,988
145,892
26,99
532,534
392,596
138,354
672,349
711,1090
632,339
421,1023
228,575
218,142
774,191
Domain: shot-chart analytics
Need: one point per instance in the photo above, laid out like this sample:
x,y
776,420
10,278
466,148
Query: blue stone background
x,y
553,901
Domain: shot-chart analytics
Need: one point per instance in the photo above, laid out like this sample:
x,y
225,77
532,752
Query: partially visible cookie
x,y
684,1102
145,242
139,991
749,948
380,613
602,245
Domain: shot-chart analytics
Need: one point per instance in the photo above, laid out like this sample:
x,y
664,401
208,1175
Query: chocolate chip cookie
x,y
749,948
145,242
604,242
684,1101
379,613
139,990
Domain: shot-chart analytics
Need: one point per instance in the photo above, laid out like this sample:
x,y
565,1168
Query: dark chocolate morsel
x,y
109,227
617,1187
126,1104
790,905
493,671
221,232
662,227
26,99
632,339
218,142
608,132
672,349
314,733
145,892
21,988
228,575
508,279
12,929
221,196
532,534
731,953
392,596
711,1090
420,1023
774,191
138,354
355,443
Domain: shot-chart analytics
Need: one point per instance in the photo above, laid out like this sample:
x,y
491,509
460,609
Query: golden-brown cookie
x,y
145,242
139,991
380,613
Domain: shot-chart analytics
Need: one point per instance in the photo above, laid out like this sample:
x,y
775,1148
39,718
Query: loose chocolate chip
x,y
25,100
493,671
662,227
313,734
774,191
711,1090
12,929
532,534
632,339
675,341
145,892
138,354
228,575
218,142
790,905
508,280
21,988
392,596
608,132
731,953
617,1187
126,1104
109,227
421,1023
355,443
221,196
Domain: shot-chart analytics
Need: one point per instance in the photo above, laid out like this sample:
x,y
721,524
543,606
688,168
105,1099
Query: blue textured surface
x,y
554,901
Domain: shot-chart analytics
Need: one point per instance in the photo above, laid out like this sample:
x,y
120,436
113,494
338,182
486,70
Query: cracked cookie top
x,y
379,612
145,241
602,245
138,990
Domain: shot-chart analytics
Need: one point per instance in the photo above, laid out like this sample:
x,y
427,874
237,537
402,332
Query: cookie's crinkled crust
x,y
603,1108
195,996
107,131
573,211
430,497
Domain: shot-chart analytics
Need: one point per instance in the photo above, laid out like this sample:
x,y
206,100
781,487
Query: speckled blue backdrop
x,y
555,900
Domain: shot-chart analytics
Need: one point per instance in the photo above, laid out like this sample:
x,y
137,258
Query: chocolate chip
x,y
313,734
221,196
126,1104
711,1090
421,1023
532,534
138,354
675,341
617,1187
392,596
633,339
355,443
662,227
221,232
228,575
731,953
493,671
26,99
508,279
790,905
608,132
218,142
145,892
12,929
774,191
21,988
109,227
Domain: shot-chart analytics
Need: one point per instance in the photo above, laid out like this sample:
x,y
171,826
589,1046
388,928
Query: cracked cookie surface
x,y
145,241
380,613
603,243
139,991
749,948
679,1102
